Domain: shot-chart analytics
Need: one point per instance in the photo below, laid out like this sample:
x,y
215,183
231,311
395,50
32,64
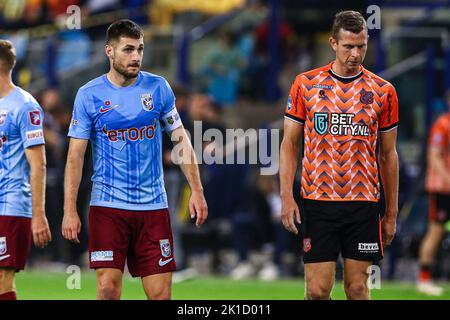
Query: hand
x,y
198,207
289,208
40,230
389,227
71,226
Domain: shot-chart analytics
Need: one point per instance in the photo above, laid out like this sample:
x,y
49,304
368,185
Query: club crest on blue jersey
x,y
3,139
165,247
147,101
35,117
3,245
3,114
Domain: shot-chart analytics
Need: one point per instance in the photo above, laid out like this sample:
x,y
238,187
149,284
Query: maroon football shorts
x,y
15,241
143,238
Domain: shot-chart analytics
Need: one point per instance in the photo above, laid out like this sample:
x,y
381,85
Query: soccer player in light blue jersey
x,y
124,113
22,175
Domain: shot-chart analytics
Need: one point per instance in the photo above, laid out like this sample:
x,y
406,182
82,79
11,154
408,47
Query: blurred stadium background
x,y
231,63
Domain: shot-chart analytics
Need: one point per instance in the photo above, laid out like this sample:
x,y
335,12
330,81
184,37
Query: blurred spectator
x,y
260,62
55,125
253,14
222,68
257,226
53,105
273,269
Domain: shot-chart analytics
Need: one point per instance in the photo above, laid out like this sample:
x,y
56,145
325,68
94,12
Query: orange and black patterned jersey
x,y
439,138
341,118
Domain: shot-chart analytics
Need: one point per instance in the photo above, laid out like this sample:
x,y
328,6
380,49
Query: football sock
x,y
425,273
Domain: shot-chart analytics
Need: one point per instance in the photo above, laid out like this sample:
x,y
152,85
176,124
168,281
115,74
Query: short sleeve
x,y
168,98
31,122
81,124
169,117
295,108
389,111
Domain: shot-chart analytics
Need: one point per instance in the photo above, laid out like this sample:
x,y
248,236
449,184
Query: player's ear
x,y
333,43
109,50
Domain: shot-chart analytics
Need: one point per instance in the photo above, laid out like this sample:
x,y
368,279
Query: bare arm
x,y
39,224
388,160
71,222
293,133
189,165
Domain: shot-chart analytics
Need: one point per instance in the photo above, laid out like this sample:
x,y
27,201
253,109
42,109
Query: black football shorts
x,y
350,228
439,207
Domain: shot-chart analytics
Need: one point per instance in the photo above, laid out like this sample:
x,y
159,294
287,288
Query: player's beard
x,y
124,72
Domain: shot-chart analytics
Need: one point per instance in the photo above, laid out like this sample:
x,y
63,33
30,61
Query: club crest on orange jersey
x,y
147,101
321,122
366,96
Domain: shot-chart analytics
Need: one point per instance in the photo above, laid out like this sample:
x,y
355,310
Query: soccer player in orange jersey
x,y
438,187
341,112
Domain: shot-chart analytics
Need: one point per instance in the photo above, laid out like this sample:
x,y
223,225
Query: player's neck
x,y
6,85
119,80
344,71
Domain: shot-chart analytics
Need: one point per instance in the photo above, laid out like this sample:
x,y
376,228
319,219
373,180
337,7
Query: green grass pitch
x,y
36,285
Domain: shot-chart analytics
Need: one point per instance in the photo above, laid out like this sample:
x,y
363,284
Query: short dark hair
x,y
123,28
352,21
7,56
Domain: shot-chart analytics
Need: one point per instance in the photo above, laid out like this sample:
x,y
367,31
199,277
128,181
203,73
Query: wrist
x,y
70,210
38,213
197,190
390,215
391,210
286,195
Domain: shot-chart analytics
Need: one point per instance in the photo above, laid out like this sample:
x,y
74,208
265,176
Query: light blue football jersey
x,y
21,126
125,125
